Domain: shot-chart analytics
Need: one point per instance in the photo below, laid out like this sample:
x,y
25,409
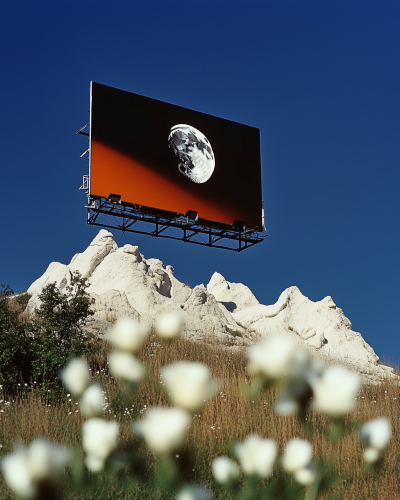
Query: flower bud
x,y
164,429
376,433
168,326
128,335
225,470
307,475
297,455
95,463
92,401
99,439
256,455
271,357
189,384
335,392
371,455
126,367
75,376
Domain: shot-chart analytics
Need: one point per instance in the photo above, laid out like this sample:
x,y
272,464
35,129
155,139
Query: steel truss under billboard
x,y
152,173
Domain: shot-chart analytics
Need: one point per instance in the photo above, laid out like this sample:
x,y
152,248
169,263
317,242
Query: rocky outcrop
x,y
124,283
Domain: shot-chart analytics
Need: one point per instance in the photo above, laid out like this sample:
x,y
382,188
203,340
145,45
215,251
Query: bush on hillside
x,y
14,342
36,350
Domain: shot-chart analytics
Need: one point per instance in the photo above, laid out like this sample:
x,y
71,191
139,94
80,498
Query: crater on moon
x,y
193,151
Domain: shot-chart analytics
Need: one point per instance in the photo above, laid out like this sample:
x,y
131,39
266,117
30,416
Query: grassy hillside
x,y
227,418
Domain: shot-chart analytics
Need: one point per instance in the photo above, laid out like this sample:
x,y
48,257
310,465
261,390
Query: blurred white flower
x,y
256,455
225,470
168,326
371,455
164,429
46,459
297,455
17,475
99,441
307,475
92,401
27,466
271,357
125,366
335,391
75,376
376,433
286,405
189,384
128,334
192,492
95,463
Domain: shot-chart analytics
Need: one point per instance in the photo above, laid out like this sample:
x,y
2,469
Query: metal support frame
x,y
128,217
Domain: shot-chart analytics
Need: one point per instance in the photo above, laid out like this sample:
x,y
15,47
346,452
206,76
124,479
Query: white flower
x,y
307,475
75,376
376,433
46,459
189,384
92,401
256,455
18,476
128,335
126,366
169,326
297,455
27,466
95,463
225,470
335,391
191,492
99,440
371,455
286,405
271,357
164,429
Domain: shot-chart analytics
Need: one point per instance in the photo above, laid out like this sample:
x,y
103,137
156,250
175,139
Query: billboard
x,y
164,156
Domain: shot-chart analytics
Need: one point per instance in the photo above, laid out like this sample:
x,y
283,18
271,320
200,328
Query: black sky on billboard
x,y
138,127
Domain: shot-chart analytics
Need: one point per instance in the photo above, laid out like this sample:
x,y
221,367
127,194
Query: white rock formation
x,y
124,283
319,327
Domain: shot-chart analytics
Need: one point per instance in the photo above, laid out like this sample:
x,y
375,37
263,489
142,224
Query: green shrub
x,y
36,350
14,343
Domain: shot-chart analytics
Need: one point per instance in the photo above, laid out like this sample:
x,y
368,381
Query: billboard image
x,y
164,156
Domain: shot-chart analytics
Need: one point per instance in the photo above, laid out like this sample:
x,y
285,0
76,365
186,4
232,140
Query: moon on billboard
x,y
193,150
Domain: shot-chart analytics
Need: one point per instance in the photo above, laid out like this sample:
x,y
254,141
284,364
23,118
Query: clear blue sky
x,y
320,79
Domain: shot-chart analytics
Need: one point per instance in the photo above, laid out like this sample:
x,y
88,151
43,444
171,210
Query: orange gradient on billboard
x,y
134,180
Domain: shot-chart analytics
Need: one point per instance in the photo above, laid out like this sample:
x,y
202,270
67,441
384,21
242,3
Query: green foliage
x,y
14,343
38,350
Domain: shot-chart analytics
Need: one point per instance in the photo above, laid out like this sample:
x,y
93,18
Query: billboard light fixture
x,y
192,215
114,198
239,225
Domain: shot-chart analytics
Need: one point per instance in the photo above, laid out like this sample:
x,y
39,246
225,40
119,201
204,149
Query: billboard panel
x,y
160,155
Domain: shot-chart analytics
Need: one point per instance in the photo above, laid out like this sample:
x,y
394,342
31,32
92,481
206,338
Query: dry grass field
x,y
227,418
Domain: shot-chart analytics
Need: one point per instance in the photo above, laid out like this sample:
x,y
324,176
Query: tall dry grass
x,y
227,418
